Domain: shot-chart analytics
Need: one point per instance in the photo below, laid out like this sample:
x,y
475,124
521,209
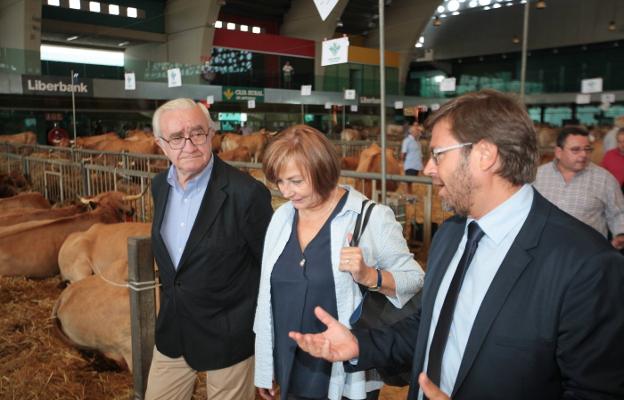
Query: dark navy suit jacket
x,y
551,325
208,304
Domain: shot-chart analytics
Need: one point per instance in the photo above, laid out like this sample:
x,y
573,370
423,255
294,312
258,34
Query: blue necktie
x,y
441,333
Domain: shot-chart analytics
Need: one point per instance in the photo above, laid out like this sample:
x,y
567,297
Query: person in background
x,y
521,300
609,141
580,188
287,72
209,225
308,262
613,160
411,151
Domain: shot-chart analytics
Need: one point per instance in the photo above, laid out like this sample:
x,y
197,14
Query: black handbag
x,y
375,311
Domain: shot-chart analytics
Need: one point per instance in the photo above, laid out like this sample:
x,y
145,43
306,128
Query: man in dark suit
x,y
207,237
520,301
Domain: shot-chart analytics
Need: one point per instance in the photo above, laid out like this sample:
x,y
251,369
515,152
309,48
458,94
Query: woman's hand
x,y
352,261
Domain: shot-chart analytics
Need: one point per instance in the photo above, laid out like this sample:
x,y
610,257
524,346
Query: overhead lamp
x,y
515,39
612,26
69,39
122,44
339,24
540,5
436,21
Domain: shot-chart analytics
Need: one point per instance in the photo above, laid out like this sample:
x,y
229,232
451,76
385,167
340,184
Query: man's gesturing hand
x,y
430,390
335,344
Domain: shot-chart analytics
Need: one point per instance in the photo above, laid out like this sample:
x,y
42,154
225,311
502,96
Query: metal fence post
x,y
142,311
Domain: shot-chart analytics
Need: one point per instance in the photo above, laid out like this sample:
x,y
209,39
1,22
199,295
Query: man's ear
x,y
487,153
558,151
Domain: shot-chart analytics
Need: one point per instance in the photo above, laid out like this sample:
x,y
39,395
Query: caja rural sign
x,y
56,86
233,93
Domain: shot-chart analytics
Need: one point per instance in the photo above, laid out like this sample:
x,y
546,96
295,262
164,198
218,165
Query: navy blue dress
x,y
301,281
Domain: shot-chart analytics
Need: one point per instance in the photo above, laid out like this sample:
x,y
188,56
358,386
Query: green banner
x,y
234,93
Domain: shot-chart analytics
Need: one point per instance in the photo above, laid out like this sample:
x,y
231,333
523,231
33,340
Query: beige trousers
x,y
174,379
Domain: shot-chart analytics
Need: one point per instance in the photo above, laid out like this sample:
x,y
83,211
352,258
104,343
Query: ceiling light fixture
x,y
69,39
612,26
540,5
515,39
437,22
122,44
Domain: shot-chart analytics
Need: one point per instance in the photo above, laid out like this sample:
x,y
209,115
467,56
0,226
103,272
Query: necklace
x,y
332,204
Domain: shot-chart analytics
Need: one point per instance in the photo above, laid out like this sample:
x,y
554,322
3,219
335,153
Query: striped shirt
x,y
592,196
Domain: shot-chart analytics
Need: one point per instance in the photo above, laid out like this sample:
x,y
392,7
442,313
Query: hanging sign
x,y
306,90
354,107
251,104
349,94
591,85
130,81
608,98
398,105
447,85
174,77
335,51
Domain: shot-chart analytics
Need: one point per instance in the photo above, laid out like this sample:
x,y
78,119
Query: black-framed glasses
x,y
437,152
197,137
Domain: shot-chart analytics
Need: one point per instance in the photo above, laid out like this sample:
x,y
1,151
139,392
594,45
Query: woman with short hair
x,y
307,262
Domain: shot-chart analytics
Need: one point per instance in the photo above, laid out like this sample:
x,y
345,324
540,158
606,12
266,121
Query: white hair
x,y
178,104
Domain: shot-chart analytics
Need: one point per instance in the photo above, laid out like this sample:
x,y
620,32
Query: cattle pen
x,y
63,175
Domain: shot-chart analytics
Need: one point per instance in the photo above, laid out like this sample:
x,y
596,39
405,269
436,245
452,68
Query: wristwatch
x,y
378,285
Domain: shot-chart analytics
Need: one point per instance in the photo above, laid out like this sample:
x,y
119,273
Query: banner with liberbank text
x,y
56,86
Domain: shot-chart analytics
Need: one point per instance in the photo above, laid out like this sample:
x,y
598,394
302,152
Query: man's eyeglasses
x,y
197,137
437,152
577,150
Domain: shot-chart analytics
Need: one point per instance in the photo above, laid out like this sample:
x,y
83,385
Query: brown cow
x,y
84,253
24,200
238,154
19,215
142,146
31,248
27,137
370,161
94,314
349,163
349,134
87,142
255,142
216,142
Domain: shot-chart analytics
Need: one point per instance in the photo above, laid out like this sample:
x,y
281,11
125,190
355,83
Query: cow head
x,y
120,203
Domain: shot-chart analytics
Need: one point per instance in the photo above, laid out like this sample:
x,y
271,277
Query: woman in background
x,y
307,262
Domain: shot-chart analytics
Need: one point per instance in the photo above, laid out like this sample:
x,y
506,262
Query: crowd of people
x,y
522,296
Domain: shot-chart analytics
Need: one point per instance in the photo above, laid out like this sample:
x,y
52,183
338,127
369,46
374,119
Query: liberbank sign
x,y
56,86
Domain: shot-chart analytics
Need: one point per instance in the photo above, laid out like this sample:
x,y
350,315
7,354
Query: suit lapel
x,y
514,263
159,213
209,209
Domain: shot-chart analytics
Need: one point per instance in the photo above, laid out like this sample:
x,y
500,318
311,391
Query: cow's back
x,y
24,200
94,314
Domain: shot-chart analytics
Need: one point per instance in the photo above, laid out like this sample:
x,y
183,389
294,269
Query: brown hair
x,y
499,119
311,151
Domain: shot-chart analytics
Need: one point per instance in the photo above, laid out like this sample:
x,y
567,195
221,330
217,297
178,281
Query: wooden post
x,y
142,310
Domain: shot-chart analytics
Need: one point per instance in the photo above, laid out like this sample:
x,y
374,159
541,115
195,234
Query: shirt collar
x,y
200,181
500,221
